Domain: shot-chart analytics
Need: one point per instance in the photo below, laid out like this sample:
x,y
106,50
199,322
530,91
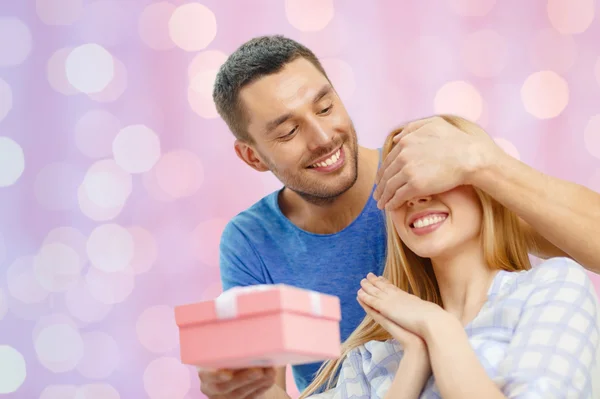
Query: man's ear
x,y
249,155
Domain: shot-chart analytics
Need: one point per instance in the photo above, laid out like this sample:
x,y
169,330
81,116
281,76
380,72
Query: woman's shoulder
x,y
559,278
559,269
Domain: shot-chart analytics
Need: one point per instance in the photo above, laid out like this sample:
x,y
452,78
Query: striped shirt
x,y
537,336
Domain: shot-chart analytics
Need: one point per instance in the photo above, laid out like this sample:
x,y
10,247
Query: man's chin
x,y
325,197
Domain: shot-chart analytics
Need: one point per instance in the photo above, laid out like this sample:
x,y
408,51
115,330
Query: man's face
x,y
302,132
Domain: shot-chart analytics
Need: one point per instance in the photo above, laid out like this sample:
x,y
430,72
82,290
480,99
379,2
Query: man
x,y
325,230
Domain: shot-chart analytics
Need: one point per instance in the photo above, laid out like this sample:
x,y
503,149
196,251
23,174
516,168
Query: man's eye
x,y
324,111
291,132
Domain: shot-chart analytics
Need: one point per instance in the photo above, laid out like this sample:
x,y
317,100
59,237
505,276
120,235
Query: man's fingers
x,y
401,195
391,186
243,377
212,383
386,162
251,391
412,127
392,170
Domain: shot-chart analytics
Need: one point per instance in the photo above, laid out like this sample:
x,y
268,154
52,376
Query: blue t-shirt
x,y
261,246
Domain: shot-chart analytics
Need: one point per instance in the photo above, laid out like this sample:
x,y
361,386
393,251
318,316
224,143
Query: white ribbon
x,y
226,303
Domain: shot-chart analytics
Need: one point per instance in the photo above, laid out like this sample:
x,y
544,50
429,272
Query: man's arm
x,y
562,218
432,156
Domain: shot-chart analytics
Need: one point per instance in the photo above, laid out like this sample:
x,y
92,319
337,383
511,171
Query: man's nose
x,y
318,135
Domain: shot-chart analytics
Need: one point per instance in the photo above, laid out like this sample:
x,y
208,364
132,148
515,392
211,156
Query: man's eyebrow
x,y
277,121
326,89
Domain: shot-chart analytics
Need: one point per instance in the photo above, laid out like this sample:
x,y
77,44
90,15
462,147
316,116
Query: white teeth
x,y
428,221
330,161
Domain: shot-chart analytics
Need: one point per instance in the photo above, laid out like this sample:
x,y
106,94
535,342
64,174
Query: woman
x,y
460,312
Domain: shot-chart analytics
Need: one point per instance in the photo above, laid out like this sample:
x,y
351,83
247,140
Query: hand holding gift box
x,y
261,325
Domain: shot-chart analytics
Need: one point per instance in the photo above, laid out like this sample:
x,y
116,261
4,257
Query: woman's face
x,y
441,225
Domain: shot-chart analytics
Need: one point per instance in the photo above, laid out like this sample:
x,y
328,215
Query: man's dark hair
x,y
254,59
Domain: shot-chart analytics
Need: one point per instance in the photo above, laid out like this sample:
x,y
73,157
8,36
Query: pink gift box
x,y
265,325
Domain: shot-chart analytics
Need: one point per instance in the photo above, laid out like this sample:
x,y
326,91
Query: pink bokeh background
x,y
117,177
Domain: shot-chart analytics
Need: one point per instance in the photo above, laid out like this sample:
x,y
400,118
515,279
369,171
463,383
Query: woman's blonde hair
x,y
505,247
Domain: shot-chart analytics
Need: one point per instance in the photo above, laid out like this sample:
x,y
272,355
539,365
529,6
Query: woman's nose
x,y
419,200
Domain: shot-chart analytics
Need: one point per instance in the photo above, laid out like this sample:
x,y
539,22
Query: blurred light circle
x,y
205,240
59,347
545,94
110,288
157,330
202,72
179,173
15,41
192,26
309,15
69,236
591,136
57,267
107,22
12,161
166,378
459,98
100,355
594,181
549,50
92,210
6,99
145,251
110,248
472,8
95,132
150,182
90,68
136,148
341,75
485,53
570,17
97,391
22,283
3,304
61,391
206,61
116,87
82,305
55,186
153,25
59,12
56,71
107,185
332,40
200,94
51,319
508,147
13,369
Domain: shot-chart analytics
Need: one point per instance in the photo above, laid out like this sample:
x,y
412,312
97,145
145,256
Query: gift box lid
x,y
252,301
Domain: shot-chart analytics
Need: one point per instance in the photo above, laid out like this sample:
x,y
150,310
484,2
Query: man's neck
x,y
464,280
334,216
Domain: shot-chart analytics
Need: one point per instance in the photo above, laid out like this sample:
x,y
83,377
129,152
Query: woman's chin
x,y
430,253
